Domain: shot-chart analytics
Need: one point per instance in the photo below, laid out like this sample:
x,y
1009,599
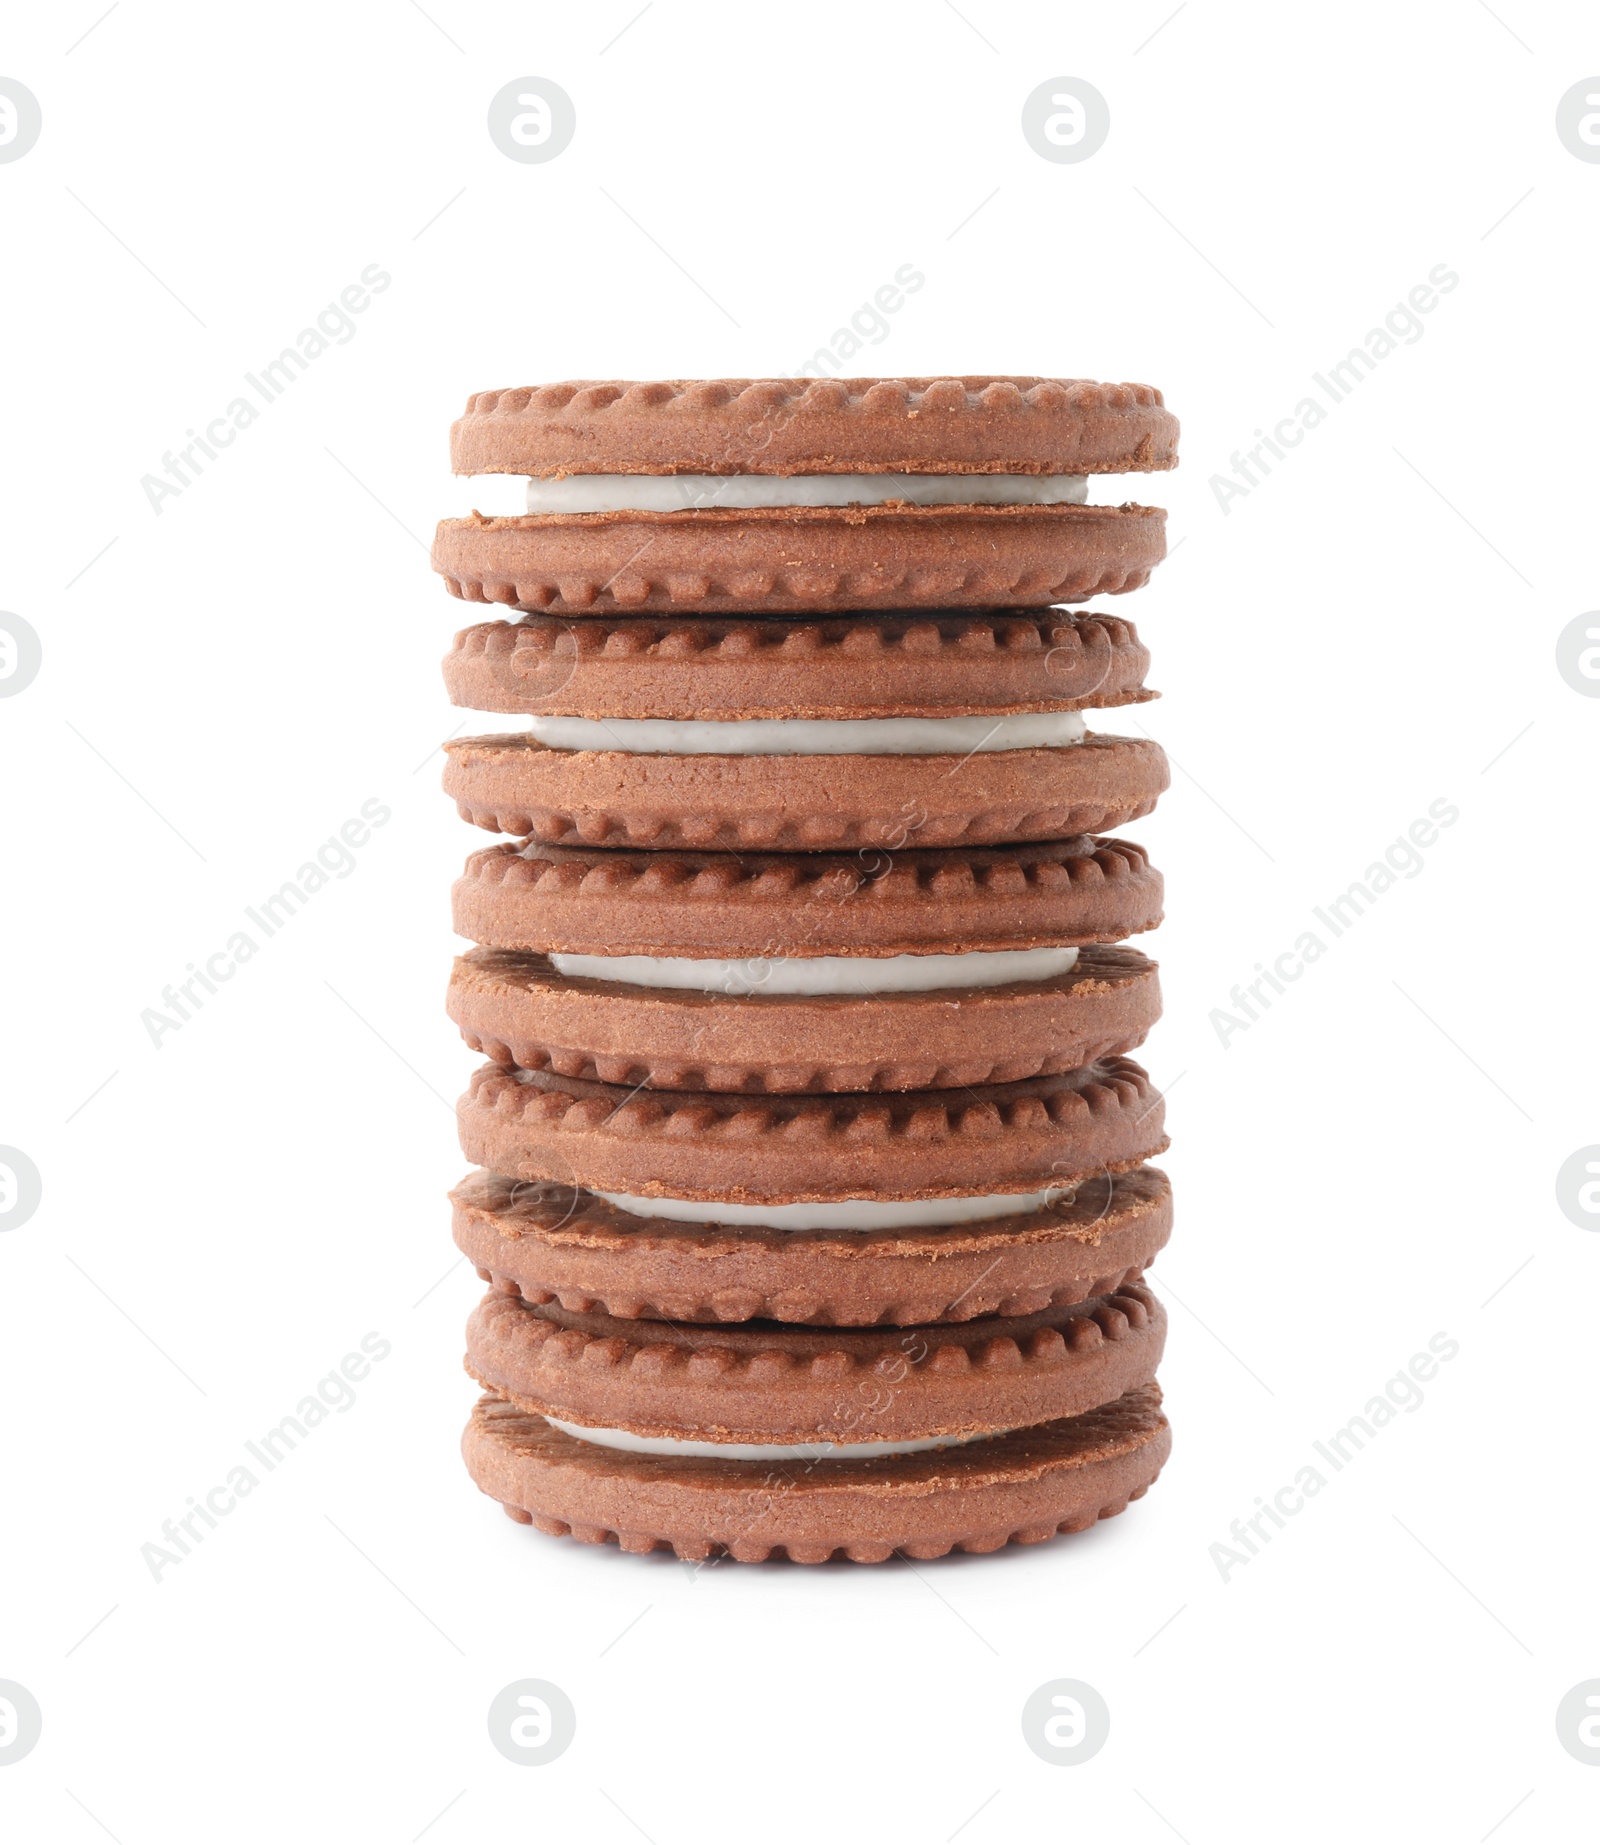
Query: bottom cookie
x,y
1023,1487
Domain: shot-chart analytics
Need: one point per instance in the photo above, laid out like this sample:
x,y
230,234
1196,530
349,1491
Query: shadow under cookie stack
x,y
812,1199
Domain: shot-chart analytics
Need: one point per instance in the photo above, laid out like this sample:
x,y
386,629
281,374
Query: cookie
x,y
788,426
717,668
792,1387
519,1009
759,1151
800,560
555,1244
516,784
1020,1488
806,496
546,899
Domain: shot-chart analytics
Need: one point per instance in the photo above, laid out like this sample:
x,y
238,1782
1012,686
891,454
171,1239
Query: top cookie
x,y
977,425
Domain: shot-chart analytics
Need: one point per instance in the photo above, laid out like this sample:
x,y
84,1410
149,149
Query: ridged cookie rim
x,y
909,1132
721,560
514,784
495,665
878,888
1005,423
922,1115
795,1385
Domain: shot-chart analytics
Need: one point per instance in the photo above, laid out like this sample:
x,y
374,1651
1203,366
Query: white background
x,y
1370,630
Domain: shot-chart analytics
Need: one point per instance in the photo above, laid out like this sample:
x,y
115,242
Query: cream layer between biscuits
x,y
896,736
590,493
514,496
839,1213
823,974
629,1443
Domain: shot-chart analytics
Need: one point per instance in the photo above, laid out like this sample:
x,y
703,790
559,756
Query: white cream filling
x,y
912,736
839,1214
630,1443
815,974
585,493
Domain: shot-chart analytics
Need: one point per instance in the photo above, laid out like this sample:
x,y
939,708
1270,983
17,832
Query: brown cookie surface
x,y
545,899
986,425
515,784
721,668
1019,1488
957,1143
761,1382
553,1244
518,1009
800,559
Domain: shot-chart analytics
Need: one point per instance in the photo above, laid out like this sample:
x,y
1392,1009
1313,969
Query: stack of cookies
x,y
813,1200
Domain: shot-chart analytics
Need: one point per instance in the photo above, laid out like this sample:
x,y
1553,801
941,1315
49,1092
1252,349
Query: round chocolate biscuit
x,y
1019,1488
724,668
545,899
968,425
808,560
515,784
518,1009
555,1244
928,1143
794,1385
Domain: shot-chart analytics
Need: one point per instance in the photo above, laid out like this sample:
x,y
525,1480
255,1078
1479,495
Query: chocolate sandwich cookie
x,y
806,496
554,1244
1050,1009
1020,1488
984,784
719,668
979,1150
545,899
777,974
